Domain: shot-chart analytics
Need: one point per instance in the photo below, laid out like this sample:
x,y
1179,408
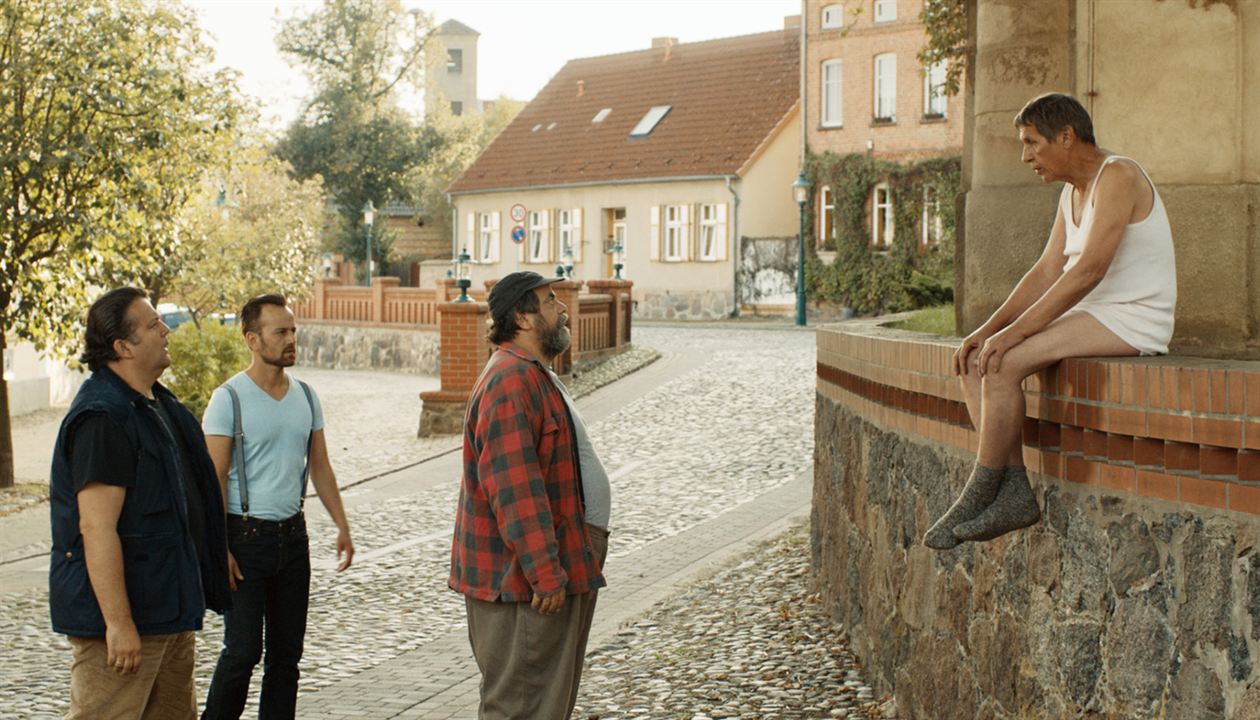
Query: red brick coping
x,y
1175,428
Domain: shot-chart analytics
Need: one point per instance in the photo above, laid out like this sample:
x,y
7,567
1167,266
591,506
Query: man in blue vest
x,y
139,547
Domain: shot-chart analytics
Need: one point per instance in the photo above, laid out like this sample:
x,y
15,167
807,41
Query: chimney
x,y
581,88
664,42
791,21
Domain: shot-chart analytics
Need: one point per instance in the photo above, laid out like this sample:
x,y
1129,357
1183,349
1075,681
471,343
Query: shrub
x,y
201,359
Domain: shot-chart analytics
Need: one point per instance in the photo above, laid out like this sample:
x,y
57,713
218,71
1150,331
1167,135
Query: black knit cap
x,y
509,291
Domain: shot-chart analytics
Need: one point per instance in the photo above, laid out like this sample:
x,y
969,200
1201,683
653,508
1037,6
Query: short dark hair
x,y
108,321
504,329
253,310
1052,112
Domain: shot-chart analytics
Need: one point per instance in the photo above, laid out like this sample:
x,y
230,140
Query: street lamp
x,y
369,214
618,260
800,191
463,275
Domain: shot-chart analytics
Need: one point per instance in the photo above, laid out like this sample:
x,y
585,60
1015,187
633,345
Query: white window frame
x,y
709,244
826,216
564,232
885,100
885,10
486,226
932,227
675,237
882,214
934,101
832,104
539,249
833,17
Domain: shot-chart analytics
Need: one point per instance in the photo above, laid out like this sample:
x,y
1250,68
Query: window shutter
x,y
576,219
654,236
719,250
470,236
496,238
553,235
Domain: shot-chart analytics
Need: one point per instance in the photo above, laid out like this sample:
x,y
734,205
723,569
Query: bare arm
x,y
99,508
1115,198
1035,283
325,481
220,447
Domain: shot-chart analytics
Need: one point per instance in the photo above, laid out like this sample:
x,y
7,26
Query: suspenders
x,y
238,446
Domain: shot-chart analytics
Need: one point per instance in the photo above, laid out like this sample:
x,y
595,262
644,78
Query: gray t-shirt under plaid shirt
x,y
595,486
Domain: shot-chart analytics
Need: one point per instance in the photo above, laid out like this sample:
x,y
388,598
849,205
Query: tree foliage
x,y
904,277
202,358
109,119
253,230
359,55
456,141
946,25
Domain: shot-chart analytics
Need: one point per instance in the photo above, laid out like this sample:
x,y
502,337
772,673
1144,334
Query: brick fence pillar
x,y
618,331
380,284
567,292
464,351
319,304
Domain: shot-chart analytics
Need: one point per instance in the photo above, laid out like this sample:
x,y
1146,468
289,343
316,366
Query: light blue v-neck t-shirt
x,y
275,444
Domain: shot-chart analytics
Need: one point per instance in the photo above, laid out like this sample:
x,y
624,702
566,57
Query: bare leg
x,y
1074,335
971,387
1002,395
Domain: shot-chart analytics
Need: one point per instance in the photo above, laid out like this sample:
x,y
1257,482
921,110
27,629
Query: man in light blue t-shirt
x,y
279,438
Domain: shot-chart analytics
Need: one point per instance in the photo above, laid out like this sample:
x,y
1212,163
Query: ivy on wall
x,y
903,277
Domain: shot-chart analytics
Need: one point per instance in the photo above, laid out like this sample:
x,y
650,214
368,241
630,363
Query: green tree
x,y
359,55
455,143
253,230
107,115
946,25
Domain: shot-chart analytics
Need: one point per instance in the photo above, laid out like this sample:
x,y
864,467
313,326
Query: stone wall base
x,y
684,305
1114,606
344,347
442,413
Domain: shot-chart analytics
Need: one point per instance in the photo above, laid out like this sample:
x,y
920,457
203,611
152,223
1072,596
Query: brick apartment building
x,y
867,92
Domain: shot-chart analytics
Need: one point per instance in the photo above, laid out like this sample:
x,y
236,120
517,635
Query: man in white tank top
x,y
1113,296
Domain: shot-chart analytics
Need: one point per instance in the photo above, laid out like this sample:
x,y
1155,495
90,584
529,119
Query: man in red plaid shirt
x,y
524,554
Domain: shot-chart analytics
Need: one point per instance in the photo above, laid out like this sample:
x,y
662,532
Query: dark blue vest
x,y
165,584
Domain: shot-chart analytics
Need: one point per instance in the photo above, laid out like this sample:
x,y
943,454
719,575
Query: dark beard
x,y
554,339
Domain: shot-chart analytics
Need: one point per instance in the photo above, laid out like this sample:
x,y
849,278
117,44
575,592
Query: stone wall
x,y
684,305
344,347
1138,594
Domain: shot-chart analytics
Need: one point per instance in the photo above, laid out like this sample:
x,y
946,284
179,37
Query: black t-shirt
x,y
101,452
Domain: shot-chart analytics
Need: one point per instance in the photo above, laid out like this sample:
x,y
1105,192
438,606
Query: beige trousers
x,y
161,690
531,664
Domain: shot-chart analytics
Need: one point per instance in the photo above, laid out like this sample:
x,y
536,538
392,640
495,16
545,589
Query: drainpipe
x,y
736,243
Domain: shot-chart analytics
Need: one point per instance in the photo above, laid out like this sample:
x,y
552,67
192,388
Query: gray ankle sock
x,y
979,492
1014,508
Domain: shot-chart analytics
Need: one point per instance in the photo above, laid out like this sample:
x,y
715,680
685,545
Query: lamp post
x,y
800,191
618,259
369,214
463,275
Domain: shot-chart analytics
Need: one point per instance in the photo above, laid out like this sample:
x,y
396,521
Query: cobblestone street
x,y
694,443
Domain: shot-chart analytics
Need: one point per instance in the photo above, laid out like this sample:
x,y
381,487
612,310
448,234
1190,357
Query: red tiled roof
x,y
727,96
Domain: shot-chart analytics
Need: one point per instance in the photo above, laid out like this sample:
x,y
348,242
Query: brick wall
x,y
911,136
1136,596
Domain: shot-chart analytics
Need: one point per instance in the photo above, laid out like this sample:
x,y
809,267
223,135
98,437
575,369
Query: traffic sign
x,y
518,213
518,234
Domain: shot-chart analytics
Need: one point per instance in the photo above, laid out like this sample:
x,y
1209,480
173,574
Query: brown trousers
x,y
531,664
162,689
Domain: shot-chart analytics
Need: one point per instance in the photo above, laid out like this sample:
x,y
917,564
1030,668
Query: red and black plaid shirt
x,y
520,528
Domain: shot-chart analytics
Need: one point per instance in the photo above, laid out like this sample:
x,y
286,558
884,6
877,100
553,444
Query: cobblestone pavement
x,y
751,640
734,424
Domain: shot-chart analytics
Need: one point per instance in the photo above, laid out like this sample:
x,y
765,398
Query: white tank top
x,y
1136,297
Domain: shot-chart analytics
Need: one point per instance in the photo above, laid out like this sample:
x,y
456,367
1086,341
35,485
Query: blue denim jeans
x,y
275,559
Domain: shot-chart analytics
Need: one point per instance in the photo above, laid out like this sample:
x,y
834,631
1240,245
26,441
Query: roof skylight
x,y
649,121
599,116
